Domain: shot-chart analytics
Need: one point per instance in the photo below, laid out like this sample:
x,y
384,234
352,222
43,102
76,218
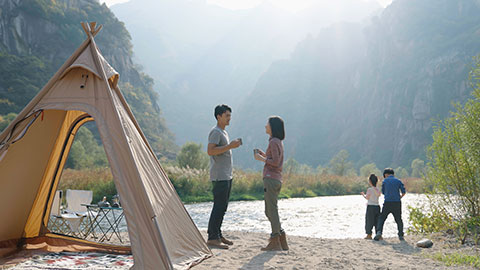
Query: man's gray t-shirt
x,y
220,165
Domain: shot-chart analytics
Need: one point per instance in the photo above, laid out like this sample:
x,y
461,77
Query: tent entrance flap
x,y
67,123
82,119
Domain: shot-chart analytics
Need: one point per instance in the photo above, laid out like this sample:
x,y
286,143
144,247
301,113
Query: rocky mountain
x,y
373,89
202,55
37,36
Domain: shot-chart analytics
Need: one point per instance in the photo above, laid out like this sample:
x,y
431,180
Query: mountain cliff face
x,y
372,89
37,36
203,55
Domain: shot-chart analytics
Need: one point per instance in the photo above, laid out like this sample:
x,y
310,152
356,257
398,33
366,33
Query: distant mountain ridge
x,y
201,55
37,36
372,89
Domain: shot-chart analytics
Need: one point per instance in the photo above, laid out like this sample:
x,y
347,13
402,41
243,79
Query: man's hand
x,y
234,144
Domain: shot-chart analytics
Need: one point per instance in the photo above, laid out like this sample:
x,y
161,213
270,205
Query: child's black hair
x,y
373,179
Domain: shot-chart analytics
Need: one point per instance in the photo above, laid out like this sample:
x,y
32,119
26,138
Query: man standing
x,y
219,150
394,190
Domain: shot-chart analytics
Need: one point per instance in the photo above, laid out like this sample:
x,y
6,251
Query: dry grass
x,y
193,185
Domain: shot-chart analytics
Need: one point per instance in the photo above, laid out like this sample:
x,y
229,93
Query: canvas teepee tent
x,y
34,148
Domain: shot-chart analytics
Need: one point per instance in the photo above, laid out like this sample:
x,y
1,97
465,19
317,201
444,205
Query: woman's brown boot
x,y
273,244
283,241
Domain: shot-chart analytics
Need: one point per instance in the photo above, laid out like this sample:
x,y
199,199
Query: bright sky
x,y
292,5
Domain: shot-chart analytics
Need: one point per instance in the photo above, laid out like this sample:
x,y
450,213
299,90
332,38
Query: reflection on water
x,y
321,217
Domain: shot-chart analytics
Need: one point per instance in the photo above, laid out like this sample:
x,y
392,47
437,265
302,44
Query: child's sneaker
x,y
369,237
378,237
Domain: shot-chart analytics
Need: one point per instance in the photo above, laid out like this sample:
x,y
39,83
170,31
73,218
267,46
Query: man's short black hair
x,y
277,127
221,109
388,171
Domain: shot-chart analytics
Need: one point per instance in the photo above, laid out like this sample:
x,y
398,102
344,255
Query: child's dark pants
x,y
371,218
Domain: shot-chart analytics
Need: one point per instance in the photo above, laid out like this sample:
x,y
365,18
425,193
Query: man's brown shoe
x,y
369,237
216,243
273,244
226,241
283,241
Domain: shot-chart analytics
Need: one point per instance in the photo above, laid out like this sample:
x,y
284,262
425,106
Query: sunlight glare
x,y
289,5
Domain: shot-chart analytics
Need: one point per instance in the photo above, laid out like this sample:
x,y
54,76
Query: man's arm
x,y
213,149
402,189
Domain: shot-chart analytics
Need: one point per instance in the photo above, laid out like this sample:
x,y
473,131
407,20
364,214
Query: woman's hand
x,y
262,153
259,157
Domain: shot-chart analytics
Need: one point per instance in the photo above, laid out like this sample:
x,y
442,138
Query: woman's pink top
x,y
274,163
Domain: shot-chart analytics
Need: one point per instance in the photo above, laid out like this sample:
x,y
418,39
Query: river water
x,y
331,217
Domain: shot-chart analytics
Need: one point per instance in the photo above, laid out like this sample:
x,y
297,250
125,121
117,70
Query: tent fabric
x,y
162,234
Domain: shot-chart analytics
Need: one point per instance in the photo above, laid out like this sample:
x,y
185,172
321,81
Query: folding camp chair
x,y
57,224
76,211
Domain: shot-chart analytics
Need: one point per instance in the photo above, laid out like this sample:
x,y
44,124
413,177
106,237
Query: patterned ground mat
x,y
70,260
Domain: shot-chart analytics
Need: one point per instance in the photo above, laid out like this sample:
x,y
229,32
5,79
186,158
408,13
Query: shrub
x,y
192,156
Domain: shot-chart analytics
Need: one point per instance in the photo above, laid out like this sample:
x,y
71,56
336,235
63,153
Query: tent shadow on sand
x,y
35,146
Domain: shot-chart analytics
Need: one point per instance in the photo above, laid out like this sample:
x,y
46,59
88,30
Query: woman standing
x,y
272,180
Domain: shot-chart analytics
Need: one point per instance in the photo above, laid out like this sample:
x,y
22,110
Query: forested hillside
x,y
37,36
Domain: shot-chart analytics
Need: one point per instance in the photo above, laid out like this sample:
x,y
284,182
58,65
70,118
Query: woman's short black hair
x,y
221,109
373,179
277,127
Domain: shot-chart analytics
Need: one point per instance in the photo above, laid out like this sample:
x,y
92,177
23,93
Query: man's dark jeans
x,y
396,209
221,195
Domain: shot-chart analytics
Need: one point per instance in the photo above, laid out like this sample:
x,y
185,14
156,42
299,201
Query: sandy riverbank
x,y
314,253
305,253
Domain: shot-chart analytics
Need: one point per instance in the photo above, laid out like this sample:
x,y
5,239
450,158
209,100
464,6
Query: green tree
x,y
368,169
85,152
321,170
401,172
339,164
454,156
291,166
418,167
453,169
5,120
192,156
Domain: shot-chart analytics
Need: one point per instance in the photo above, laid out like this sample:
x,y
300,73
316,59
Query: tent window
x,y
33,116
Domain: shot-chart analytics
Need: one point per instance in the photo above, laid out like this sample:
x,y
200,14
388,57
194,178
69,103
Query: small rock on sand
x,y
425,243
